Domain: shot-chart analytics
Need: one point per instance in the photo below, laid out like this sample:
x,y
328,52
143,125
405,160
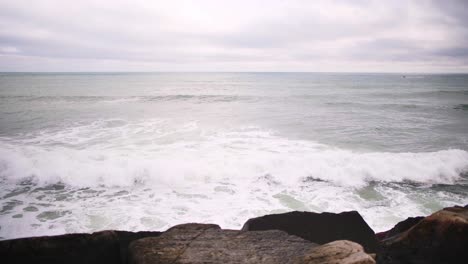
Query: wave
x,y
382,105
153,174
152,153
119,99
461,107
439,93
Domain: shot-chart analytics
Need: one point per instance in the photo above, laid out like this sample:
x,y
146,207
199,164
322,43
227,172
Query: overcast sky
x,y
350,36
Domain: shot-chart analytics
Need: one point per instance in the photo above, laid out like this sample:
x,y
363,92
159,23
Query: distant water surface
x,y
144,151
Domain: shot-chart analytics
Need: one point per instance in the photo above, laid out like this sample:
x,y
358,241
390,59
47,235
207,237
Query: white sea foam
x,y
153,174
114,153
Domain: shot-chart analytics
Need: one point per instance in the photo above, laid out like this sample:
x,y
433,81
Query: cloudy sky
x,y
349,36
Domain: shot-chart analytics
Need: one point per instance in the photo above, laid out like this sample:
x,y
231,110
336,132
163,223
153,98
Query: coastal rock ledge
x,y
296,237
439,238
319,228
198,243
105,247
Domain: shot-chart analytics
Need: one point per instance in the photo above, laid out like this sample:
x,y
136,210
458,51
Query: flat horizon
x,y
324,72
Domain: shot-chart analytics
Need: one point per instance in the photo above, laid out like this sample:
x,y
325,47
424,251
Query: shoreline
x,y
329,235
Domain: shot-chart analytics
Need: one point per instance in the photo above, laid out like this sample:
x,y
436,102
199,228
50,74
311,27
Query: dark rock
x,y
198,243
125,238
439,238
381,235
71,248
400,227
101,247
319,228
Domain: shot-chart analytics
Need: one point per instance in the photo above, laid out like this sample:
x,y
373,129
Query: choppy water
x,y
86,152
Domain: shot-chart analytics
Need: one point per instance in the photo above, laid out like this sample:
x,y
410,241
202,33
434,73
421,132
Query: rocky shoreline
x,y
294,237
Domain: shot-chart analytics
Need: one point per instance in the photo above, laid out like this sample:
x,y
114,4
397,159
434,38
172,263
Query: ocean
x,y
82,152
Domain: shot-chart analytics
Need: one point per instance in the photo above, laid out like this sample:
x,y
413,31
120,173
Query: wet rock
x,y
101,247
439,238
319,228
198,243
400,227
341,251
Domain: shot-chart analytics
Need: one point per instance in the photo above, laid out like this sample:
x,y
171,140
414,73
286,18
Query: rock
x,y
439,238
125,238
199,243
101,247
341,251
319,228
400,227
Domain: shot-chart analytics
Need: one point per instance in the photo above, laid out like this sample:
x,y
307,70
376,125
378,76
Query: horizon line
x,y
324,72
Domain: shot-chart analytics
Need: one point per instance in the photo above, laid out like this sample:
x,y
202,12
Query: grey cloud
x,y
458,52
388,48
454,9
280,35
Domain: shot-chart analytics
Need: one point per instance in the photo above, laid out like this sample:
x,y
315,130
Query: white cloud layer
x,y
209,35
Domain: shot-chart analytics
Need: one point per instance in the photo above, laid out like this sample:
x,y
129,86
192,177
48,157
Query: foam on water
x,y
117,153
151,174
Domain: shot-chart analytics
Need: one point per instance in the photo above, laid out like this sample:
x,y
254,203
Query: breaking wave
x,y
116,153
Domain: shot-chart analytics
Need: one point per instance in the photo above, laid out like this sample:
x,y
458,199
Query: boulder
x,y
319,228
199,243
400,227
439,238
340,251
100,247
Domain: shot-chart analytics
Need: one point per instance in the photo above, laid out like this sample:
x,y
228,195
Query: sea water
x,y
82,152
